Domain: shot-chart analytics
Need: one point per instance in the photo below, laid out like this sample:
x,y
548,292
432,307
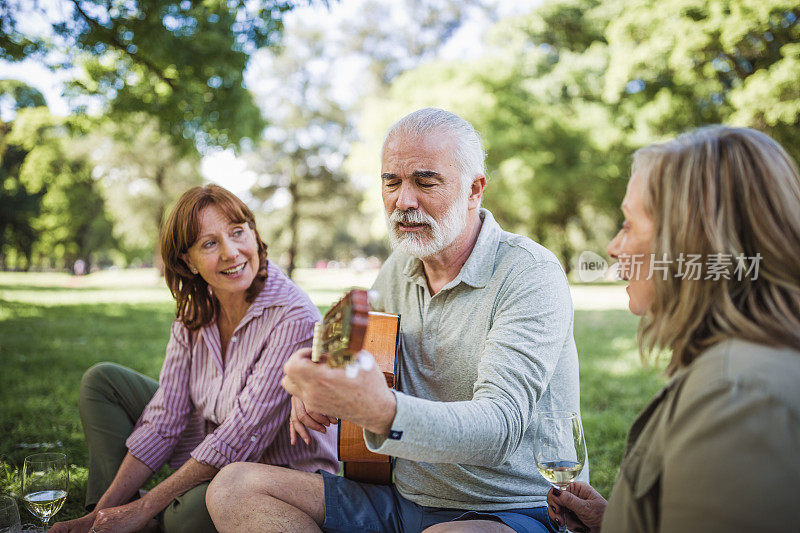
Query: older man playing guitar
x,y
486,343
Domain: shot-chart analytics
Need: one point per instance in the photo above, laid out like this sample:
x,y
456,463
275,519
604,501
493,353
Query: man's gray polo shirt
x,y
479,359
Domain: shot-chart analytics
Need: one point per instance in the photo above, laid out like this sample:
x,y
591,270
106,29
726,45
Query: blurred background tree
x,y
554,146
20,206
142,173
565,94
562,91
311,203
678,64
182,62
68,218
162,82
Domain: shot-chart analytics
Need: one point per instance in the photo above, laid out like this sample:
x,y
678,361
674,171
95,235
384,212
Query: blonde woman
x,y
716,450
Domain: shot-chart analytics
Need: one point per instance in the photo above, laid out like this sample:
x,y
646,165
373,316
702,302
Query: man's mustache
x,y
410,216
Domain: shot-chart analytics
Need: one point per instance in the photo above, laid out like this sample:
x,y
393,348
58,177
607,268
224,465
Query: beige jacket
x,y
717,449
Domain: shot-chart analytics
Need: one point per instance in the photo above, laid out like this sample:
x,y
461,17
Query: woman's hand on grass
x,y
126,518
78,525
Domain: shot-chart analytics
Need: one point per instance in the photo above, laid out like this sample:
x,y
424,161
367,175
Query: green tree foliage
x,y
396,36
298,163
19,95
18,205
556,153
312,110
14,46
168,78
568,92
142,175
181,62
71,223
678,64
555,158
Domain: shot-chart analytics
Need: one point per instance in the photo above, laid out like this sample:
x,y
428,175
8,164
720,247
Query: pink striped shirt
x,y
221,410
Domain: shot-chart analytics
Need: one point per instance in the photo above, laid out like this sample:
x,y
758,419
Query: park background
x,y
110,109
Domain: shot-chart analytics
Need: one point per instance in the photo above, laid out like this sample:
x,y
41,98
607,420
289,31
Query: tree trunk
x,y
160,178
294,217
28,258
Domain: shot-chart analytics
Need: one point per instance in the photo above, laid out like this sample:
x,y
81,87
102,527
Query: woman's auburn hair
x,y
196,304
722,190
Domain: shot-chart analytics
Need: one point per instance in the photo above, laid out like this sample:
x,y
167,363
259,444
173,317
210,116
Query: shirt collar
x,y
479,267
274,294
277,292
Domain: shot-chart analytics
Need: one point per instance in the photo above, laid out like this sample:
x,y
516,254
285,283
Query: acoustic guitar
x,y
345,330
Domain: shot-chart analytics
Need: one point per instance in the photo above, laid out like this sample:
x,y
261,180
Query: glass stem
x,y
563,528
44,525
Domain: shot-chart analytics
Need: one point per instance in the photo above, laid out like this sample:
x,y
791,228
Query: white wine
x,y
45,503
560,473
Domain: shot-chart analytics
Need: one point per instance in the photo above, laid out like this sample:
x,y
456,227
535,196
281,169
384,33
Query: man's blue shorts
x,y
364,508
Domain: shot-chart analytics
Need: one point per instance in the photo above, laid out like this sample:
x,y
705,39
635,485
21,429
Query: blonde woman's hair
x,y
731,191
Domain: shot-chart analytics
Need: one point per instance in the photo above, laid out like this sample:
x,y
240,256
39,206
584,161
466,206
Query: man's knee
x,y
249,477
231,486
239,482
229,483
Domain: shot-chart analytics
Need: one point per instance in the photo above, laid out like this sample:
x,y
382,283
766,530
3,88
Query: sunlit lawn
x,y
55,326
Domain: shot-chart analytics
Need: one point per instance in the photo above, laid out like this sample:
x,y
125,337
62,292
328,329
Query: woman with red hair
x,y
219,398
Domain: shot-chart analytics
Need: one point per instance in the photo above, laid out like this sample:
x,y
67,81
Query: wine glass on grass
x,y
560,448
9,515
45,481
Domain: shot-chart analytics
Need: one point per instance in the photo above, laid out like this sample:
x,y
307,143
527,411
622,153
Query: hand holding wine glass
x,y
560,448
45,482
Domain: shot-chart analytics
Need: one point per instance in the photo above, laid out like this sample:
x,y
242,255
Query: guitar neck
x,y
340,336
360,464
347,328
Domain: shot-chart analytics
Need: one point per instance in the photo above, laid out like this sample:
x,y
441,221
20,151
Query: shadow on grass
x,y
59,288
44,352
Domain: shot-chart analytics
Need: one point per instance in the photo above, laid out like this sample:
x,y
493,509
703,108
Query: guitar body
x,y
360,464
347,328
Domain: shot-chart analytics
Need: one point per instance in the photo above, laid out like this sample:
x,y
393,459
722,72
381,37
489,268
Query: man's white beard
x,y
433,239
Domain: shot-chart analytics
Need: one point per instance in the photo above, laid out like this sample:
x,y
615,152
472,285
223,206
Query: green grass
x,y
615,386
54,326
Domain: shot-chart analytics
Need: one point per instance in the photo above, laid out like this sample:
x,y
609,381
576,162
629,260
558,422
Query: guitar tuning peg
x,y
372,297
351,370
365,360
316,343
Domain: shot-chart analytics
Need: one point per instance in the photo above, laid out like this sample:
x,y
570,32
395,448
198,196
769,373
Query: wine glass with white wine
x,y
45,481
560,448
9,515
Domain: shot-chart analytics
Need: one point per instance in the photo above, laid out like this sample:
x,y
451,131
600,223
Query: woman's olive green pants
x,y
111,400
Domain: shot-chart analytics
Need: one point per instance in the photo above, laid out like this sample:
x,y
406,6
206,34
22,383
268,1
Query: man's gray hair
x,y
469,153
